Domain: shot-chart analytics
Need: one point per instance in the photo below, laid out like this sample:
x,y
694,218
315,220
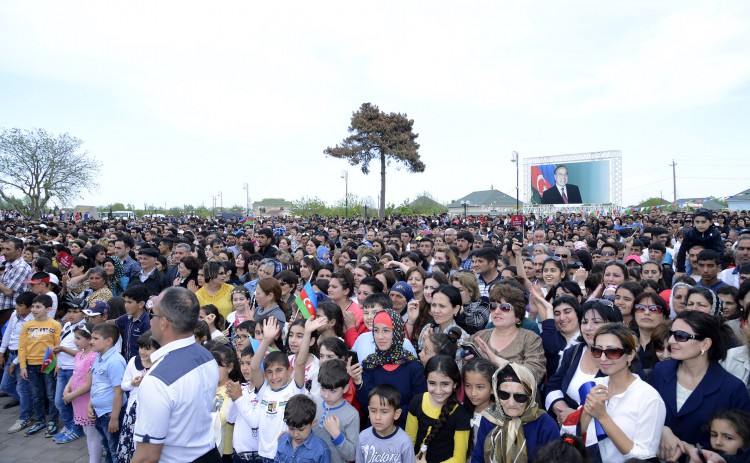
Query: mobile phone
x,y
518,236
354,357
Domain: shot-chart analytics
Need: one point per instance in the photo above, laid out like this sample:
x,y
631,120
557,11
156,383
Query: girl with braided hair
x,y
438,425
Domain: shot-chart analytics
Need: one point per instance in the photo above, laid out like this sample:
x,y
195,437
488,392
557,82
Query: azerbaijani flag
x,y
542,179
249,220
307,302
49,363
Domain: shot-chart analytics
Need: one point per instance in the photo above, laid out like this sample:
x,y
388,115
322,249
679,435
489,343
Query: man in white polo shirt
x,y
173,423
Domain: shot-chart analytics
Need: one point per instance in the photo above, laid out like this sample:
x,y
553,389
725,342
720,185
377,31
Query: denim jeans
x,y
66,410
41,384
16,387
109,439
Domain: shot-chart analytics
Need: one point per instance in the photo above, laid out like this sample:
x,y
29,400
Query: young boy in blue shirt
x,y
106,394
300,444
135,321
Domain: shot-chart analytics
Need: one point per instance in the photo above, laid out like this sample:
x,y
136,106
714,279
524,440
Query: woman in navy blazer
x,y
692,384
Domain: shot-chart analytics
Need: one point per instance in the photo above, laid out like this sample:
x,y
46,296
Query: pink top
x,y
81,367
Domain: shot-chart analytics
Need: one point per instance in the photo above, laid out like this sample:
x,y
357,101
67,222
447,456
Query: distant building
x,y
272,207
740,201
486,202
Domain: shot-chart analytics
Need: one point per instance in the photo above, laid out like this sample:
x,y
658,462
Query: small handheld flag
x,y
49,363
250,220
307,302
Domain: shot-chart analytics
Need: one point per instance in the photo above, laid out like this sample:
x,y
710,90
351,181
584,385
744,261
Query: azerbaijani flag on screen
x,y
542,179
250,220
49,363
307,302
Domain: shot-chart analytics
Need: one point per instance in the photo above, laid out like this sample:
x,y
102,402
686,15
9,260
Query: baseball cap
x,y
97,309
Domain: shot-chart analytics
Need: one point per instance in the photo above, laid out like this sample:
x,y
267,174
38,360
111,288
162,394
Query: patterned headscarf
x,y
395,355
717,306
506,442
672,311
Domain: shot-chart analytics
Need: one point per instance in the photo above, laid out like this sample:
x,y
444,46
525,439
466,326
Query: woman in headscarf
x,y
116,278
512,430
390,364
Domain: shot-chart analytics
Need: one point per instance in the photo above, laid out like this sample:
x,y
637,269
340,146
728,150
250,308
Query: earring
x,y
702,352
628,362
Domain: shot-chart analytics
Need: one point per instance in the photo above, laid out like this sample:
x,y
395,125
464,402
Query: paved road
x,y
16,448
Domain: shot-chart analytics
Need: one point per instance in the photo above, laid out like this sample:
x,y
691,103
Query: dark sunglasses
x,y
505,307
608,253
562,256
518,397
605,301
643,308
612,353
684,336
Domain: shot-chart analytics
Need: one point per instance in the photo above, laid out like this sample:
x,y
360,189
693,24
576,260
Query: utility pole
x,y
674,180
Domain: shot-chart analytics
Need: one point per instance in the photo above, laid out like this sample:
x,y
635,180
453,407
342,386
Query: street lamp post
x,y
465,204
247,198
514,159
345,176
221,202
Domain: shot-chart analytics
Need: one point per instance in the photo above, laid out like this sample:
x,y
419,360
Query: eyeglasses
x,y
156,315
612,353
505,307
606,302
518,397
608,253
644,308
242,337
684,336
562,256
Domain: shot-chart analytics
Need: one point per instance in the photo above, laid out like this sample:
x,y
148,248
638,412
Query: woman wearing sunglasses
x,y
507,341
649,310
629,411
692,383
578,366
515,427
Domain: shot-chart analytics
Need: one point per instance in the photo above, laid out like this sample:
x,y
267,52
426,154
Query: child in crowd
x,y
210,314
12,383
100,313
365,343
335,348
78,388
241,303
39,335
437,424
730,431
703,232
299,443
131,380
41,284
384,440
295,338
201,333
66,353
477,376
277,386
337,422
243,412
244,335
106,390
135,321
229,370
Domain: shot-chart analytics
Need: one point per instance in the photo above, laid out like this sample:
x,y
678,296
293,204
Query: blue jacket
x,y
537,434
553,343
407,378
718,390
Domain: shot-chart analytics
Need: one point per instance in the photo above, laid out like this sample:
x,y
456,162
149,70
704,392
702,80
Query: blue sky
x,y
181,100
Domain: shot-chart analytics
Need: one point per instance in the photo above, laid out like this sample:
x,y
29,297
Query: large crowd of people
x,y
570,338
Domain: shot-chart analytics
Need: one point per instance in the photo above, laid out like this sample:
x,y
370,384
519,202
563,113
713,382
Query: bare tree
x,y
42,167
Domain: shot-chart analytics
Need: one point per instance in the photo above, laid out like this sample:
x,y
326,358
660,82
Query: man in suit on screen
x,y
562,192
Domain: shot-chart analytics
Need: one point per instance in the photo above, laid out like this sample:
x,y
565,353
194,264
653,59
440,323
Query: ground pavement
x,y
16,448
